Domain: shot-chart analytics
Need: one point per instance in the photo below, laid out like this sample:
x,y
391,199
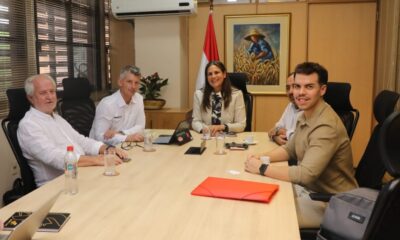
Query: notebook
x,y
236,189
27,228
180,136
53,222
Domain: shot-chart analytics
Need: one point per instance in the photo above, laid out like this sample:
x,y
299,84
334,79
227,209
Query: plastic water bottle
x,y
71,171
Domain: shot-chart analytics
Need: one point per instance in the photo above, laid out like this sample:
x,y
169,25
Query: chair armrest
x,y
323,197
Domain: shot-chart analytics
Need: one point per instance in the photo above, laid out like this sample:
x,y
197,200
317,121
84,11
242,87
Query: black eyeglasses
x,y
130,145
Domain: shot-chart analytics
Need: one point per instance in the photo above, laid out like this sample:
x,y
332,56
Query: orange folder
x,y
236,189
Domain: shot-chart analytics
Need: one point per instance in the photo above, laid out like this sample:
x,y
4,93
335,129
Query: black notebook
x,y
52,223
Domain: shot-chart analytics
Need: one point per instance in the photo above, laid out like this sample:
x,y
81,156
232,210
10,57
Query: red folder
x,y
236,189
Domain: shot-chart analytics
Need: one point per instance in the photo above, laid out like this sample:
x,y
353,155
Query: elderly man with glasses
x,y
120,117
44,135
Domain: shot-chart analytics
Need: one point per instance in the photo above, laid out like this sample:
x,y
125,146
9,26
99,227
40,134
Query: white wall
x,y
160,46
9,169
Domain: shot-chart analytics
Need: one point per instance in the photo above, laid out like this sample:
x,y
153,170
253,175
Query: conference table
x,y
151,198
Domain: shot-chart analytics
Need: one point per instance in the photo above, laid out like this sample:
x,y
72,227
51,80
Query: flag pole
x,y
211,5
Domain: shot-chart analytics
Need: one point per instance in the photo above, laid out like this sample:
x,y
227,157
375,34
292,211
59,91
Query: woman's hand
x,y
216,128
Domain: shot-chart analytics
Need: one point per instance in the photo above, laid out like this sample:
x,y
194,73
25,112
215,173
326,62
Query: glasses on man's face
x,y
130,145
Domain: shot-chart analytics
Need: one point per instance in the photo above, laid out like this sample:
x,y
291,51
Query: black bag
x,y
348,214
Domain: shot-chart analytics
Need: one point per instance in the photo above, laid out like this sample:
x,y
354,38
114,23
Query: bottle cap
x,y
70,148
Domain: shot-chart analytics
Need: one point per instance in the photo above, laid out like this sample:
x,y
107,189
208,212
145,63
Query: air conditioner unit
x,y
128,9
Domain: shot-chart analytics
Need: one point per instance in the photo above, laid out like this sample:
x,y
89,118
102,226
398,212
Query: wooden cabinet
x,y
166,118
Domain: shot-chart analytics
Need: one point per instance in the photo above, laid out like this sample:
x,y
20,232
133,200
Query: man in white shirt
x,y
44,135
285,127
120,117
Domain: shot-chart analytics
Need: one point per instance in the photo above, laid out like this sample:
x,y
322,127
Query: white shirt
x,y
113,113
288,119
44,139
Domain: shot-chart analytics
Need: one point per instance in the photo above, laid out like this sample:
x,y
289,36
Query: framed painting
x,y
258,45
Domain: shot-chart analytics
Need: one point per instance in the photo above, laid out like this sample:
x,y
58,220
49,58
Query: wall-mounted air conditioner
x,y
128,9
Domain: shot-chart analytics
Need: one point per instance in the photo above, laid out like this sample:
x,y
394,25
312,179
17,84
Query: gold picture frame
x,y
258,45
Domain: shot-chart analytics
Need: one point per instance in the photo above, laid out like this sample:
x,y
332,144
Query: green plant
x,y
150,86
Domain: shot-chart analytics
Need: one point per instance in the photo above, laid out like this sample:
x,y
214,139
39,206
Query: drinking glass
x,y
206,133
220,143
148,141
109,162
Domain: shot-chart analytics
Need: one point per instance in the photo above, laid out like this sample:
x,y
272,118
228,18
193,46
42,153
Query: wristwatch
x,y
263,168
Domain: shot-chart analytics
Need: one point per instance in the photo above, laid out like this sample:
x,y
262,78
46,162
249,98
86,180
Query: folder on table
x,y
236,189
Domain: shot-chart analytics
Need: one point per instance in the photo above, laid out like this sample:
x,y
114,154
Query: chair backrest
x,y
239,81
75,106
371,169
18,105
338,96
389,144
384,220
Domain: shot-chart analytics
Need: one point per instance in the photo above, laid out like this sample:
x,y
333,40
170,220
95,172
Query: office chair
x,y
370,170
338,96
18,105
75,106
384,220
239,81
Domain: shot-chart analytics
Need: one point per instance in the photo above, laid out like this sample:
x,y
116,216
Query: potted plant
x,y
150,88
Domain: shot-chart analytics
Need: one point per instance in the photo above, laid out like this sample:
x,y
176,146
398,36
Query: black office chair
x,y
370,170
239,81
18,105
75,106
384,222
338,96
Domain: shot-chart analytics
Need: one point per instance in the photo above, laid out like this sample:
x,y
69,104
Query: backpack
x,y
348,214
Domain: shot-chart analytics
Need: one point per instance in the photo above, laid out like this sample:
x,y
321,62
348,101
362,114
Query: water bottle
x,y
71,171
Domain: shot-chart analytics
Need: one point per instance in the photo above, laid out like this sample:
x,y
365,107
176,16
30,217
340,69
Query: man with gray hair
x,y
120,117
44,135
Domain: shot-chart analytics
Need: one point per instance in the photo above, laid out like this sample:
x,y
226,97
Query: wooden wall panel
x,y
122,47
342,38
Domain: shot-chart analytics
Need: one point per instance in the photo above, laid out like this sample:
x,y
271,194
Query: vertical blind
x,y
57,37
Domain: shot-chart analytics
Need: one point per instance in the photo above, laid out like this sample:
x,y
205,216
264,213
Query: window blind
x,y
17,57
57,37
66,42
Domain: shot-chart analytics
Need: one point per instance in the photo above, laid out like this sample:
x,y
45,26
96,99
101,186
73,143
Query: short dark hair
x,y
308,68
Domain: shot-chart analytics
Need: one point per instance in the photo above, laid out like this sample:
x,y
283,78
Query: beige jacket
x,y
234,116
